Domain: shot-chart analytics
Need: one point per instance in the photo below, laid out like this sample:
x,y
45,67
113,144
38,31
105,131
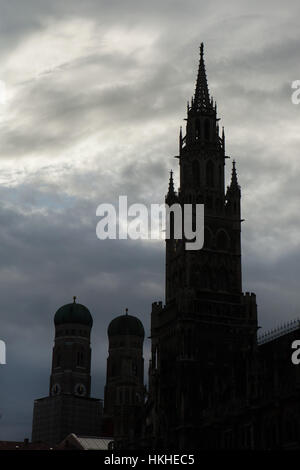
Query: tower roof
x,y
234,181
201,98
126,325
73,313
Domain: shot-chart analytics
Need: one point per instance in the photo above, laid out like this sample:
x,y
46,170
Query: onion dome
x,y
73,313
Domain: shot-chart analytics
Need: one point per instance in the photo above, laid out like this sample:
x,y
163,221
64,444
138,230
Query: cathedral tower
x,y
71,360
203,335
124,390
69,408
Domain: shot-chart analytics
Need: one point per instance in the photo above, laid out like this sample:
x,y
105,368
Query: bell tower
x,y
203,335
124,390
71,359
69,407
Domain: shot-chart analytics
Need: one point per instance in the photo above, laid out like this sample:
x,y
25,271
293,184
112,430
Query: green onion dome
x,y
73,313
126,325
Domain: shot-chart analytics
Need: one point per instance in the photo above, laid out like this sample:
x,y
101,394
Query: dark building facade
x,y
204,337
212,384
69,407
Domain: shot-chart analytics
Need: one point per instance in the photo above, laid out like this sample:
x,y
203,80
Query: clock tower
x,y
71,360
69,407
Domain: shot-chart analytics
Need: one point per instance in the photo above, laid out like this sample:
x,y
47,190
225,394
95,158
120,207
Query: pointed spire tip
x,y
202,100
201,49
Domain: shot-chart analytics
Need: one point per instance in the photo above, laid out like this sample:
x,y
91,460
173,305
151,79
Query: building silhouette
x,y
69,407
213,383
204,337
124,395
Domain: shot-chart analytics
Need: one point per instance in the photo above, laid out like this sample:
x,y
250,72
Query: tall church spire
x,y
171,195
234,181
201,99
171,184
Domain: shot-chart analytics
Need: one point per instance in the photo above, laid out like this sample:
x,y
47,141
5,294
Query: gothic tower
x,y
202,337
69,408
124,390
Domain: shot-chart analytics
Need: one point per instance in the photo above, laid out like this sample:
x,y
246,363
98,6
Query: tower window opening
x,y
80,358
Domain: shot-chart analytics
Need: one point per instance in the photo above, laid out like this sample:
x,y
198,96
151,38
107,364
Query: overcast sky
x,y
95,94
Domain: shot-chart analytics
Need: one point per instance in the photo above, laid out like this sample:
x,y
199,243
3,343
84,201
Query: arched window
x,y
80,358
206,129
196,172
210,174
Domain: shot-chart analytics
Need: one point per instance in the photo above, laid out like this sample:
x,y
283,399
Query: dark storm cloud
x,y
96,93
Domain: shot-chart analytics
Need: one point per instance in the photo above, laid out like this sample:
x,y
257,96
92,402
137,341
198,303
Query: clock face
x,y
56,389
80,390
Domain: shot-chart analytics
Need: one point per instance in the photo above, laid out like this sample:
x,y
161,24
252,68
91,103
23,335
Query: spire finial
x,y
201,50
74,299
171,184
202,100
126,311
